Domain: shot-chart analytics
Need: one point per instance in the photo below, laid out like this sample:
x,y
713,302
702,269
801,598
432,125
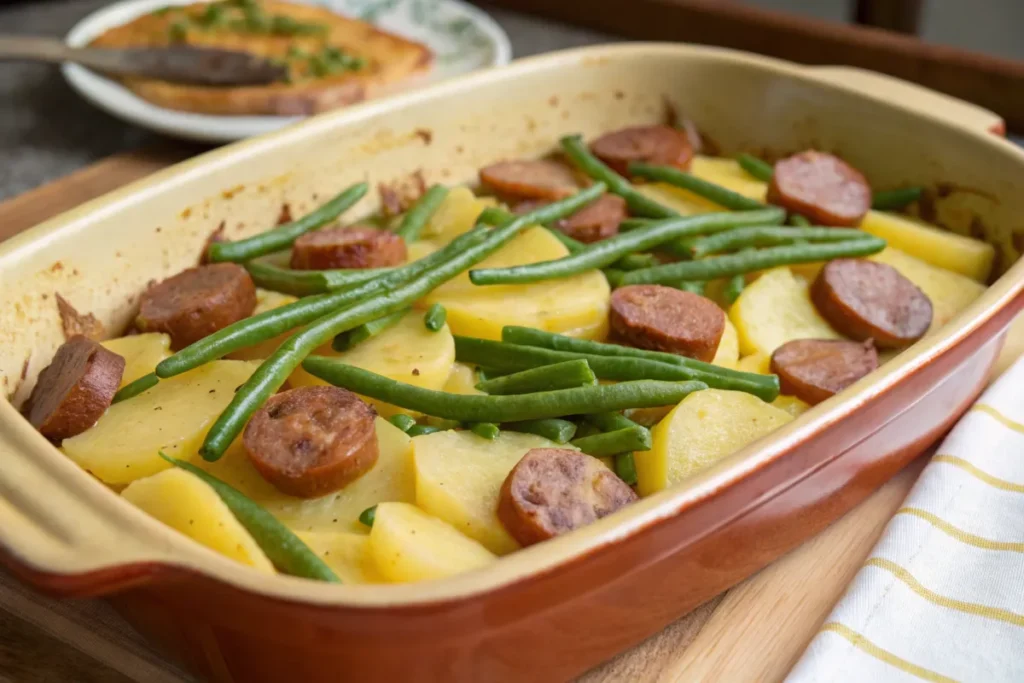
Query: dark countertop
x,y
47,131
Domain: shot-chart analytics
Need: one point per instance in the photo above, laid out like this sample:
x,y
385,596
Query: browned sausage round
x,y
311,441
870,300
816,369
555,490
650,144
197,302
596,221
536,179
821,187
666,319
356,246
75,389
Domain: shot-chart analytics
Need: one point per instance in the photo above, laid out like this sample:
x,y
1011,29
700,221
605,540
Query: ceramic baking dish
x,y
556,609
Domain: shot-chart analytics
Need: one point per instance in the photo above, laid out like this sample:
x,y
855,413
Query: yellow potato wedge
x,y
173,416
577,305
755,362
407,545
728,352
266,300
390,479
456,215
186,503
949,292
942,248
141,353
346,553
791,404
704,428
729,174
683,201
774,309
459,476
407,352
462,380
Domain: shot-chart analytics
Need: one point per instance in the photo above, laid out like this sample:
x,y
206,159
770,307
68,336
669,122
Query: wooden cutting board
x,y
753,632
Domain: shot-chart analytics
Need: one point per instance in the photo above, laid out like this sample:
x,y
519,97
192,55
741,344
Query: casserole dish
x,y
577,600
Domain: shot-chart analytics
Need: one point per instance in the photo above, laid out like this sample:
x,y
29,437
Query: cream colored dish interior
x,y
101,256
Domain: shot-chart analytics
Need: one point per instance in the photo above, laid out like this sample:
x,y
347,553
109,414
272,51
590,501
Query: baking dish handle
x,y
64,533
913,95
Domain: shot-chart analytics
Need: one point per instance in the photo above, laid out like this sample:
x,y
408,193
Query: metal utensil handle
x,y
54,51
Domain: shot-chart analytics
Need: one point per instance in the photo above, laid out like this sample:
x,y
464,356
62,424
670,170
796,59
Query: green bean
x,y
799,221
402,421
422,430
614,277
417,217
617,367
765,387
734,264
761,170
368,516
552,428
608,251
282,236
893,200
273,372
357,335
610,422
486,430
762,236
493,215
637,223
285,550
625,468
443,424
269,324
435,317
565,375
305,282
637,261
483,374
638,203
136,387
722,196
692,286
612,443
733,288
514,408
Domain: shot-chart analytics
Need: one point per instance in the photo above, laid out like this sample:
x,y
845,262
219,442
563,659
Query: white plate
x,y
462,37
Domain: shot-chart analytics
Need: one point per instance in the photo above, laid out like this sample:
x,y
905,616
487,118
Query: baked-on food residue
x,y
332,60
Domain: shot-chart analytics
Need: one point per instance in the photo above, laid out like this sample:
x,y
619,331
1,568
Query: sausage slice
x,y
597,221
871,300
75,389
536,179
651,144
821,187
666,319
197,302
357,246
555,490
816,369
311,441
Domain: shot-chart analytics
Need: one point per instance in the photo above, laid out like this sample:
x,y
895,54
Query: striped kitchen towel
x,y
941,597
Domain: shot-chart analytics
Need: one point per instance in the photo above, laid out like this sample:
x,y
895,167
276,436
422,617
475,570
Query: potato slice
x,y
462,380
576,305
942,248
755,362
774,309
348,554
728,352
407,544
173,416
728,173
707,426
141,353
184,502
683,201
459,476
791,404
420,249
266,300
457,214
949,292
391,479
407,352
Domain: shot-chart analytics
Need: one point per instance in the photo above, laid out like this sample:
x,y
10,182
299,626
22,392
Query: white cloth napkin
x,y
941,597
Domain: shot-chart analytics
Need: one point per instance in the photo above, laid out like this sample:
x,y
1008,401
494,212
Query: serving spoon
x,y
177,63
